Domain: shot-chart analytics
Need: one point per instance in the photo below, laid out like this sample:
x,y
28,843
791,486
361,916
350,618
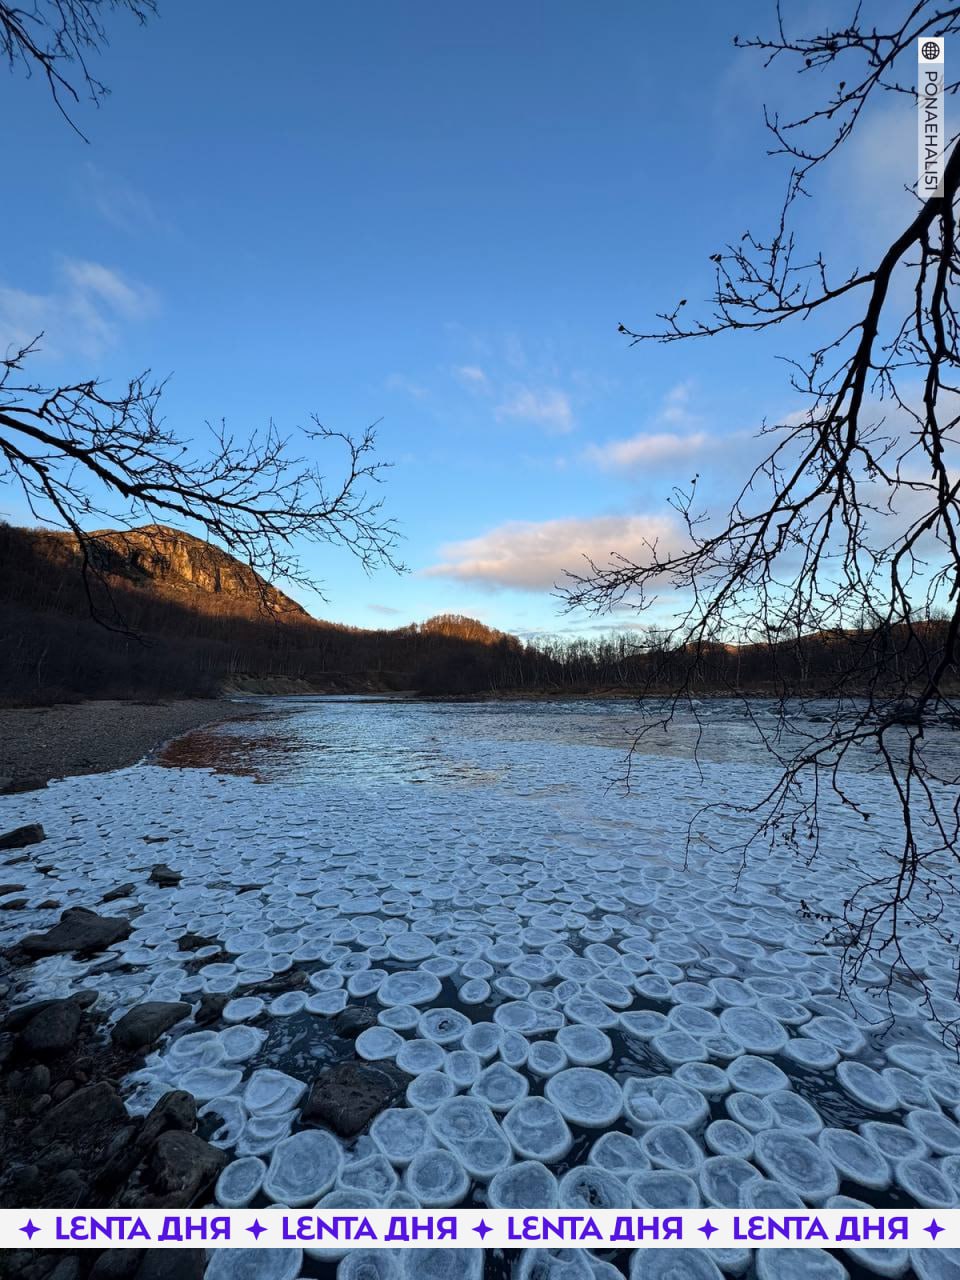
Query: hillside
x,y
183,617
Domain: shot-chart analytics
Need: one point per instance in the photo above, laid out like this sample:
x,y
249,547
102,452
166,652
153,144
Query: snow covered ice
x,y
584,1022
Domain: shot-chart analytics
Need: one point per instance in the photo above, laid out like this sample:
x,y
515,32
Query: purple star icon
x,y
29,1230
708,1228
256,1230
482,1230
934,1229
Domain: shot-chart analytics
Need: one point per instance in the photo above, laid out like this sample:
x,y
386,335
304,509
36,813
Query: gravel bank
x,y
40,743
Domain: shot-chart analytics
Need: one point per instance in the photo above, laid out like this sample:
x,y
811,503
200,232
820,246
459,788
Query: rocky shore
x,y
40,743
66,1136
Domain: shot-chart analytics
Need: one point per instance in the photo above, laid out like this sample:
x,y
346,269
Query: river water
x,y
608,960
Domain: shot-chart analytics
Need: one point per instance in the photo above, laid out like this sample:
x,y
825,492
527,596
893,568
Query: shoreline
x,y
39,744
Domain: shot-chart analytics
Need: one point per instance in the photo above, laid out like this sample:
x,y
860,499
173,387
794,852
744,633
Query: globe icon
x,y
931,50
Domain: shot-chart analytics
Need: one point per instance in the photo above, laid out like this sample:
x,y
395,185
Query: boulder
x,y
180,1170
145,1023
165,876
121,891
79,930
20,837
53,1030
348,1095
354,1019
90,1110
172,1264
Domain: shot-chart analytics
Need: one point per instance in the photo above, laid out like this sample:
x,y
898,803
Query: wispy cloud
x,y
535,555
471,375
82,314
399,382
655,446
646,450
548,408
385,609
123,205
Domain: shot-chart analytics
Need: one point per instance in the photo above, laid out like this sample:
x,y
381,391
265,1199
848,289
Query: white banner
x,y
931,132
341,1230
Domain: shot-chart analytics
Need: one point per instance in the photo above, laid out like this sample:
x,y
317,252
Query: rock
x,y
353,1020
180,1169
210,1009
38,1079
173,1264
121,891
92,1109
62,1090
53,1030
66,1268
165,876
194,941
57,1156
118,1264
20,837
28,782
18,1018
348,1095
39,1105
14,904
49,904
79,930
67,1188
176,1111
11,888
145,1023
7,1042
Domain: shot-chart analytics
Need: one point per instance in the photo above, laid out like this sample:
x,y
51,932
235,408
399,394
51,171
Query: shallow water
x,y
351,836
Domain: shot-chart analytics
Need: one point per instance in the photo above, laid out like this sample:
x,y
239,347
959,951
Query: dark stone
x,y
194,941
176,1111
348,1095
351,1021
67,1188
62,1090
29,782
49,904
39,1105
180,1169
20,837
7,1042
171,1264
38,1079
210,1009
66,1268
93,1109
53,1030
118,1264
165,876
11,888
79,930
15,904
145,1023
121,891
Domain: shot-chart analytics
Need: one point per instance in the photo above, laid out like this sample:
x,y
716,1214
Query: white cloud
x,y
81,315
646,449
548,408
534,556
472,376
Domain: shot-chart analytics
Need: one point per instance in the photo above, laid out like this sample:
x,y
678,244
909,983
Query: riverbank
x,y
40,743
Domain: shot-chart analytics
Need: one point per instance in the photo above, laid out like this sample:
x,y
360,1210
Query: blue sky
x,y
434,215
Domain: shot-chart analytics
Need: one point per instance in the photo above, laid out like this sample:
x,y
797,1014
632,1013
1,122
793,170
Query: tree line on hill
x,y
52,649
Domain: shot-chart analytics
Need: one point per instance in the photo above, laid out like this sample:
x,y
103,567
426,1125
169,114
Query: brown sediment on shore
x,y
41,743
